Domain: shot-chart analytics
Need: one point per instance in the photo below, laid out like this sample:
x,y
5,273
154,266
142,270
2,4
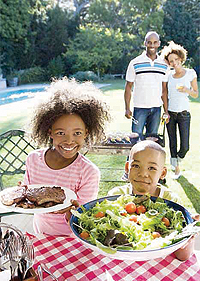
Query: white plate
x,y
5,275
68,193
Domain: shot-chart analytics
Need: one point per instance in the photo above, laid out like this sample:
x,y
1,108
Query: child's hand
x,y
184,252
67,210
196,217
20,184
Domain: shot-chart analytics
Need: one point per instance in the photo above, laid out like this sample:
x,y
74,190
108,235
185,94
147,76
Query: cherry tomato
x,y
99,214
130,207
166,221
124,214
156,234
140,209
84,235
133,218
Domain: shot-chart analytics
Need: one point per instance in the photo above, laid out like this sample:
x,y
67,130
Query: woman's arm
x,y
193,92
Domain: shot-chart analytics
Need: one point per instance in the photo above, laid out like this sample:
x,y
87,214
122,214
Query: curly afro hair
x,y
66,96
176,49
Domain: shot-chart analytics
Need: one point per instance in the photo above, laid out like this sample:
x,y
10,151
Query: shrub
x,y
55,67
108,77
32,75
85,76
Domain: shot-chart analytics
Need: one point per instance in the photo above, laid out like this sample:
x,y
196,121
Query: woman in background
x,y
182,84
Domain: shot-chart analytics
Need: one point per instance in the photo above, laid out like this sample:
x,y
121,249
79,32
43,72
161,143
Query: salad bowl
x,y
133,255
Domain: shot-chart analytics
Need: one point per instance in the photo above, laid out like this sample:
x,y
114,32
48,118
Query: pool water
x,y
18,95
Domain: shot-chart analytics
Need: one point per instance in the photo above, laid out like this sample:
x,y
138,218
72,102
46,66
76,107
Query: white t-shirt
x,y
178,101
165,192
147,76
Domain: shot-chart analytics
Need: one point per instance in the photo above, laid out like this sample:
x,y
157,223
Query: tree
x,y
52,35
94,49
130,16
181,24
14,24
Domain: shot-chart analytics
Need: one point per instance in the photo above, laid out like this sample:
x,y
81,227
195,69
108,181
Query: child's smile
x,y
146,167
66,148
68,134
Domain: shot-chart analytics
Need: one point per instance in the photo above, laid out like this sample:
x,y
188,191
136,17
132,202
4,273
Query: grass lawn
x,y
17,114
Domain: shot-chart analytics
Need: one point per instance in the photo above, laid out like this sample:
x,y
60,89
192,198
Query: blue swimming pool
x,y
18,95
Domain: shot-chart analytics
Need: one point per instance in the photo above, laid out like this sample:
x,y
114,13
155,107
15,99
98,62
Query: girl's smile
x,y
68,134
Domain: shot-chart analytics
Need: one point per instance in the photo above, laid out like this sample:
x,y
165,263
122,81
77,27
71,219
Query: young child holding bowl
x,y
145,167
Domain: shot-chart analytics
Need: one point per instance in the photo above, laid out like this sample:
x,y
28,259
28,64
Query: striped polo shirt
x,y
147,76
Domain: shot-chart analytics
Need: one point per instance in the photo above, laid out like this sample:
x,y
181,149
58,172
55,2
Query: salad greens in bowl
x,y
133,227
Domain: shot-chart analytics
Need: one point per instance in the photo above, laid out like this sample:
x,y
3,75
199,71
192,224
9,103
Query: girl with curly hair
x,y
182,84
73,115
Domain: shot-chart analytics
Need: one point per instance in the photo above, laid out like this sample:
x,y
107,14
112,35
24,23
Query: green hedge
x,y
85,76
32,75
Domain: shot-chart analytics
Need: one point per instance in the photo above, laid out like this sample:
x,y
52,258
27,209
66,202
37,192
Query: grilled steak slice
x,y
13,196
25,204
48,204
45,194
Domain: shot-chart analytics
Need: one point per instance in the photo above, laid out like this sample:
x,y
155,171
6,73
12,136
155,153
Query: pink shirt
x,y
82,176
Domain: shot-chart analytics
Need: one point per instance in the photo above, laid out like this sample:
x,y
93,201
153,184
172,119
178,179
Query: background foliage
x,y
66,36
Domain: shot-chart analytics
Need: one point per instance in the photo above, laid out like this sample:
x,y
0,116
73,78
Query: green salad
x,y
130,223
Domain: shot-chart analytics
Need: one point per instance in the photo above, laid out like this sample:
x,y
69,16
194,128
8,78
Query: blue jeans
x,y
146,117
182,120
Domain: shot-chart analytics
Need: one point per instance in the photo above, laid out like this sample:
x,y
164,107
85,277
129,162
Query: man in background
x,y
145,75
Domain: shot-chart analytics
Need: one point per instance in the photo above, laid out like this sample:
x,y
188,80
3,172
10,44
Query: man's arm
x,y
127,99
165,100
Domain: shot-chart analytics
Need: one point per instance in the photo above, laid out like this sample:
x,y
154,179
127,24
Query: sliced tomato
x,y
99,214
141,209
133,218
84,235
130,207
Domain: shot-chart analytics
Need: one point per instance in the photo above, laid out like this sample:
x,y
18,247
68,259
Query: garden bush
x,y
108,77
32,75
85,76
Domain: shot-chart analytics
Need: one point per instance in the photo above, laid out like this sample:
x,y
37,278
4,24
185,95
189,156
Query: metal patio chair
x,y
14,148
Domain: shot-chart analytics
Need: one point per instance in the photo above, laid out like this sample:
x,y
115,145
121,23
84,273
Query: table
x,y
69,260
112,149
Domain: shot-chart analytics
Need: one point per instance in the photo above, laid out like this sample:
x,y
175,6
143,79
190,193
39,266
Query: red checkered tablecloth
x,y
69,260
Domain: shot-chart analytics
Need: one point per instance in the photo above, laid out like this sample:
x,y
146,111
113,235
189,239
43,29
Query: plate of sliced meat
x,y
32,199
